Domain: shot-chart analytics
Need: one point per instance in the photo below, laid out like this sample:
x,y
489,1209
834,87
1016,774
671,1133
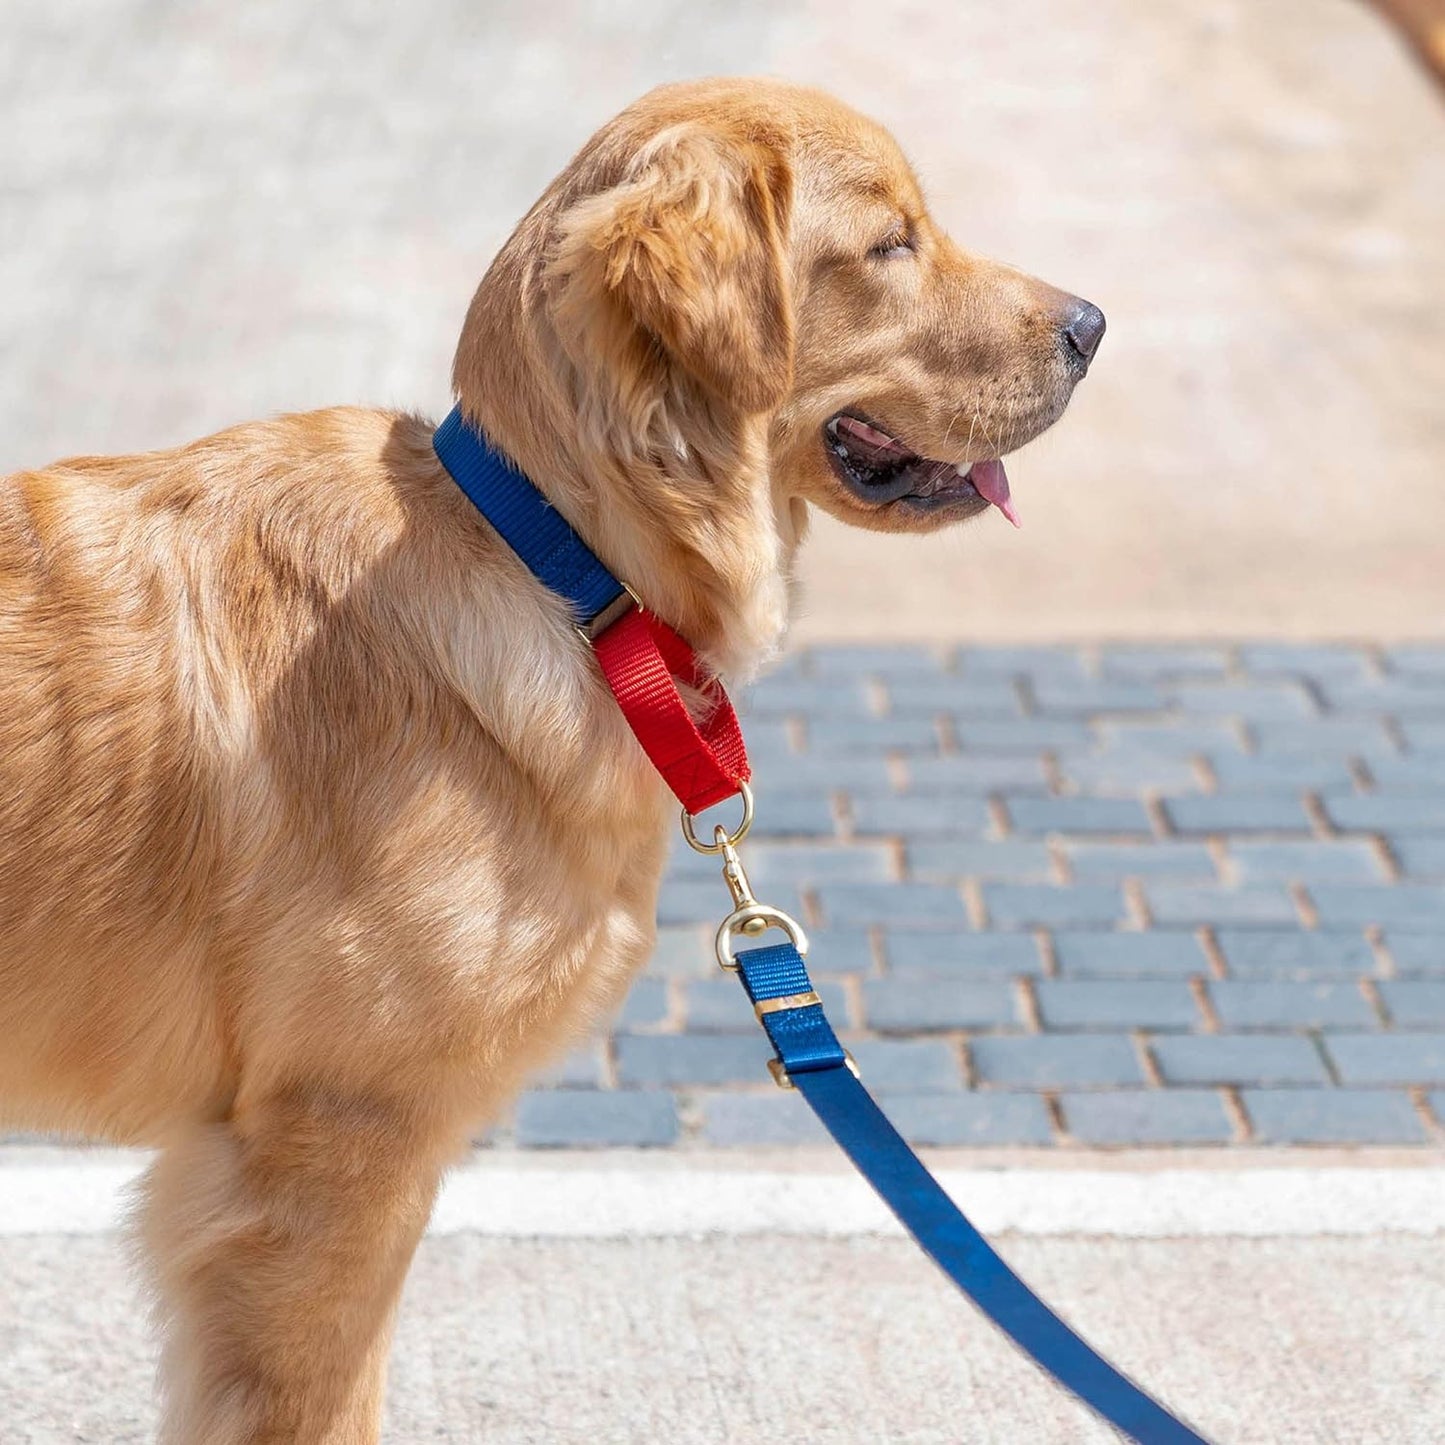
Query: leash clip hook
x,y
748,917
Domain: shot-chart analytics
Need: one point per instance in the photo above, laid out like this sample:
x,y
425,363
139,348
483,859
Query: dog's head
x,y
744,296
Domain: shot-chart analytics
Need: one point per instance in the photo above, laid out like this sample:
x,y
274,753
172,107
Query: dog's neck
x,y
672,492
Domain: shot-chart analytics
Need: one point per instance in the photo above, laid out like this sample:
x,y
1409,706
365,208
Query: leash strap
x,y
642,658
813,1061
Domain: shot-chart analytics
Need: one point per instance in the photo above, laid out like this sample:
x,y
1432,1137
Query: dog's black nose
x,y
1085,331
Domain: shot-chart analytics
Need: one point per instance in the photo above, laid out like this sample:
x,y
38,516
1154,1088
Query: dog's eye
x,y
896,243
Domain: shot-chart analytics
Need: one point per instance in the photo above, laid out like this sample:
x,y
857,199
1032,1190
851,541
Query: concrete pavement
x,y
1293,1335
1290,1342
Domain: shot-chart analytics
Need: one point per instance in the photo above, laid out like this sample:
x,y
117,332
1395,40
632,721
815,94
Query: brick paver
x,y
580,1118
1333,1116
1167,1116
1134,895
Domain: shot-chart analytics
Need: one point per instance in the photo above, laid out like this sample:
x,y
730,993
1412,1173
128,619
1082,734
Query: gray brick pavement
x,y
1125,895
1166,1116
1249,701
1023,905
1123,773
1281,953
1187,904
908,1064
1420,857
1035,664
1098,897
958,956
1413,773
1333,1116
1406,906
1046,1061
978,1118
1256,1004
1386,813
1350,860
1416,953
922,1005
778,1117
921,817
1287,775
1092,862
976,734
1067,1003
901,905
1239,1059
582,1118
1287,659
1155,663
1091,696
1239,813
986,700
1382,1058
1176,737
1078,815
846,950
1424,737
1004,859
1414,1003
646,1006
1173,953
1358,736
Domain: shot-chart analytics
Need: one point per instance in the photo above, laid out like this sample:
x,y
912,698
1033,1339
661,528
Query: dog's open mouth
x,y
878,468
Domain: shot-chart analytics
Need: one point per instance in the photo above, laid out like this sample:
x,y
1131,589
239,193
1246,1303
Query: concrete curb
x,y
499,1196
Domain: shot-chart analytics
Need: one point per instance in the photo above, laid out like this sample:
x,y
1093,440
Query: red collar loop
x,y
643,660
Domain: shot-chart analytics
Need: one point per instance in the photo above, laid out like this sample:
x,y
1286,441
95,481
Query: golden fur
x,y
318,828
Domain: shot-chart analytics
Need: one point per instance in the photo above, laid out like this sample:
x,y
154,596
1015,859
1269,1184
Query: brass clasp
x,y
735,876
748,917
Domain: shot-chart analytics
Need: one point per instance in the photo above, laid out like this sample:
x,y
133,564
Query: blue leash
x,y
815,1063
809,1056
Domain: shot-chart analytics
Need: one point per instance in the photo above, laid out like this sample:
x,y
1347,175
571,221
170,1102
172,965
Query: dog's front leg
x,y
279,1240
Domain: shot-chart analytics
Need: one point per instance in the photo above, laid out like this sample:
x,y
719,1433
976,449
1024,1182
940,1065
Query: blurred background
x,y
216,211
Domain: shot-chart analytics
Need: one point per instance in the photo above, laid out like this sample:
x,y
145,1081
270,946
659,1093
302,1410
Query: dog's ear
x,y
687,252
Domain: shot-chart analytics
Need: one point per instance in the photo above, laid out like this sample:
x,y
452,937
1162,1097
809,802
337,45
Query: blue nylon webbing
x,y
814,1060
529,524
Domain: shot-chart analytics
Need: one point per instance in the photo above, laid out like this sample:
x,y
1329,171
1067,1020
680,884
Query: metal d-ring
x,y
723,838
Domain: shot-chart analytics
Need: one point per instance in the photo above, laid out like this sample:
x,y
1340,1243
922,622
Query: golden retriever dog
x,y
319,830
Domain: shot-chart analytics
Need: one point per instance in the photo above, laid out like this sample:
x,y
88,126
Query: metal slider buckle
x,y
784,1002
620,605
784,1080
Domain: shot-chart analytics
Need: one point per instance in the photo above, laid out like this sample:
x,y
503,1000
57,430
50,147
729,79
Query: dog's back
x,y
164,620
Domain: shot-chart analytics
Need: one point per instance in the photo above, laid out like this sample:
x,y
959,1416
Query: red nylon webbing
x,y
642,659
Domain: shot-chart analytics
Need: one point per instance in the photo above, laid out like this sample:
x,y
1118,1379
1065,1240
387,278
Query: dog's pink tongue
x,y
990,481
